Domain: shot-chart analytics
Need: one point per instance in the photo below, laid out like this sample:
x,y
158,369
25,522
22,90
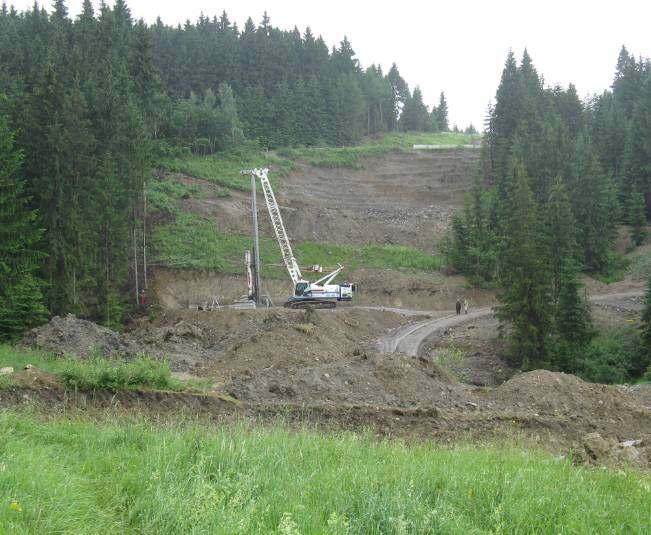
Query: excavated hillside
x,y
403,198
399,198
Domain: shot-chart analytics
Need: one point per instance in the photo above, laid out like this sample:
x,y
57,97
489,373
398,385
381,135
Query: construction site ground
x,y
399,362
328,368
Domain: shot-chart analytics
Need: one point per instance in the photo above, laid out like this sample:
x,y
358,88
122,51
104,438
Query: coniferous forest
x,y
558,177
88,104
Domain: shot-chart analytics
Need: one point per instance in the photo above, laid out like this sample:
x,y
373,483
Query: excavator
x,y
318,294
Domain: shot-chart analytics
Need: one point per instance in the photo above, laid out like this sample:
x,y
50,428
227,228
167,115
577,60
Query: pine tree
x,y
414,115
442,114
636,216
571,311
525,285
21,301
644,360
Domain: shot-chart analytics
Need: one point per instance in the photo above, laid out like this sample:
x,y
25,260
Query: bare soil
x,y
401,197
321,367
177,289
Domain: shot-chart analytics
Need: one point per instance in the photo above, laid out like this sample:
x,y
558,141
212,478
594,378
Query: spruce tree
x,y
525,282
442,114
644,360
21,300
636,216
414,115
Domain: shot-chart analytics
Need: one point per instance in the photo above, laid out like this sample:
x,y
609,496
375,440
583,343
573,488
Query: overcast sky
x,y
456,47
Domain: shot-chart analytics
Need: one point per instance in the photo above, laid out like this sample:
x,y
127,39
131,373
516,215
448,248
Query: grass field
x,y
129,476
193,242
95,373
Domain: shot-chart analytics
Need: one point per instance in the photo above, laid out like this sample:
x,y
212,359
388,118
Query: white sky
x,y
456,47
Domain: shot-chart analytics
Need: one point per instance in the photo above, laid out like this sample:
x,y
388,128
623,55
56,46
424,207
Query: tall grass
x,y
77,476
95,373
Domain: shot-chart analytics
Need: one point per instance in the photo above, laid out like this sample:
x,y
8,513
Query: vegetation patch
x,y
131,475
224,168
197,243
95,373
163,195
353,157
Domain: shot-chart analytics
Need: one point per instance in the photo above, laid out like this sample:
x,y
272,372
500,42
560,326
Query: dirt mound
x,y
608,451
74,336
559,393
577,407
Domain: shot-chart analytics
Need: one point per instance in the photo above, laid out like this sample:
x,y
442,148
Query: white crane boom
x,y
277,222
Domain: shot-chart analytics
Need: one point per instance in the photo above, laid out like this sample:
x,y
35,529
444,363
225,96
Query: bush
x,y
613,356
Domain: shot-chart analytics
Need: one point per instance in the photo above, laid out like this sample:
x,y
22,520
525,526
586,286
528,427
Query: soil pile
x,y
575,406
74,336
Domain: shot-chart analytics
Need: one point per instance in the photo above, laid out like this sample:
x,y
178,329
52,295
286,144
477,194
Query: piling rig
x,y
318,294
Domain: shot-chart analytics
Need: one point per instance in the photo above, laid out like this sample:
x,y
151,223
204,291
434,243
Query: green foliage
x,y
367,256
224,168
193,242
98,373
197,243
525,283
442,114
414,115
21,300
163,195
133,475
636,216
612,356
353,157
645,329
208,124
104,374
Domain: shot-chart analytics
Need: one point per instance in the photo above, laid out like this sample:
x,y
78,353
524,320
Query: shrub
x,y
612,356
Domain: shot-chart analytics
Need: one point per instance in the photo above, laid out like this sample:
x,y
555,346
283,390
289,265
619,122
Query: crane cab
x,y
300,288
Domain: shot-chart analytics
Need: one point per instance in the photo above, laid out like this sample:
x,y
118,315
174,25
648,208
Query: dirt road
x,y
409,338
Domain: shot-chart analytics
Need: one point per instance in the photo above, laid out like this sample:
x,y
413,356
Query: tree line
x,y
87,105
557,177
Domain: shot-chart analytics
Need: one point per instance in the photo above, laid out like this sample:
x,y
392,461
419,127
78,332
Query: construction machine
x,y
318,294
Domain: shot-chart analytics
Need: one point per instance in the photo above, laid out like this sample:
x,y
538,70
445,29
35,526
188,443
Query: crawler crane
x,y
318,294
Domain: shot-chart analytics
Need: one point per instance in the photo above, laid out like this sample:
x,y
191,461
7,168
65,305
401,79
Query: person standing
x,y
458,304
465,306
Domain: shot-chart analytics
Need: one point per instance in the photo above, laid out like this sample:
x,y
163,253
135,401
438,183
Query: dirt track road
x,y
409,338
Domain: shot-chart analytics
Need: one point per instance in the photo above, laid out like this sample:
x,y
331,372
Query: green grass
x,y
70,475
95,373
353,157
193,242
639,267
163,195
224,168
